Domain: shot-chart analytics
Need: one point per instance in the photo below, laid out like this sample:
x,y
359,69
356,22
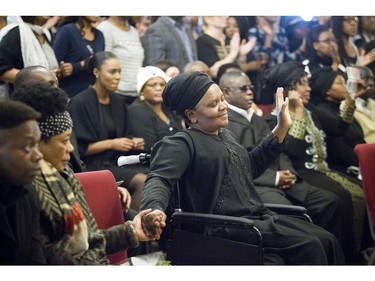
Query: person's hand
x,y
282,108
125,198
365,59
361,88
138,143
286,179
235,42
66,69
122,144
246,47
284,121
157,224
152,224
295,101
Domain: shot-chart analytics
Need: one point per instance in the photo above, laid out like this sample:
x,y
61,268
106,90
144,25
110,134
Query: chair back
x,y
366,155
102,197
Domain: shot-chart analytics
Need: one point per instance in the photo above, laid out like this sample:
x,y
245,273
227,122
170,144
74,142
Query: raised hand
x,y
284,121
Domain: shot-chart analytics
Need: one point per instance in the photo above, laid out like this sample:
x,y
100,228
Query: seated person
x,y
215,175
280,183
306,147
37,74
69,232
148,118
19,206
101,125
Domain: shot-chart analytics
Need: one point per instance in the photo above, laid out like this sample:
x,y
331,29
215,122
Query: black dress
x,y
215,175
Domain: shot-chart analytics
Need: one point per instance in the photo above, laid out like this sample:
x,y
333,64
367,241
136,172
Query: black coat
x,y
19,232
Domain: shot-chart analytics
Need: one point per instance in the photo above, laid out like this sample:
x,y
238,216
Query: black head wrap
x,y
185,90
283,75
320,83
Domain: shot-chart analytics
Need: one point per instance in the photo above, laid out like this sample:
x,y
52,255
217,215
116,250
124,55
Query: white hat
x,y
146,73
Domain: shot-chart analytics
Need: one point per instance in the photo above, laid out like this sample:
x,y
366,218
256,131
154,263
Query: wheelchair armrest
x,y
212,220
186,246
291,210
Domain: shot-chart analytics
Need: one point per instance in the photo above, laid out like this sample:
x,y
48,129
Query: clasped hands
x,y
148,224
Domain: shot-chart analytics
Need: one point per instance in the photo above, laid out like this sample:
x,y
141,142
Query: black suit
x,y
19,232
323,206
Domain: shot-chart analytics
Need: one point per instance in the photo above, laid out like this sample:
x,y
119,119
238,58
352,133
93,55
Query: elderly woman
x,y
148,117
306,147
69,232
101,126
215,174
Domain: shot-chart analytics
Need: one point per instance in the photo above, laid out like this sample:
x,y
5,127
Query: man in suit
x,y
279,183
169,38
19,206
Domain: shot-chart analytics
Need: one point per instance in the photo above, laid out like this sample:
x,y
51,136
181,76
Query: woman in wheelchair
x,y
215,175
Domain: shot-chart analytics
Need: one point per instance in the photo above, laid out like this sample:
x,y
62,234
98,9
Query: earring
x,y
97,76
141,98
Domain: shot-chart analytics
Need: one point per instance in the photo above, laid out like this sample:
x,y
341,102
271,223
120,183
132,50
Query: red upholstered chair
x,y
366,156
102,196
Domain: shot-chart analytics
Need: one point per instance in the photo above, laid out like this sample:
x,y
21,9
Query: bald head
x,y
35,74
197,66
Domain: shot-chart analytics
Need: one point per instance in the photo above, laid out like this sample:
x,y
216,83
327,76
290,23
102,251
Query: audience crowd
x,y
97,88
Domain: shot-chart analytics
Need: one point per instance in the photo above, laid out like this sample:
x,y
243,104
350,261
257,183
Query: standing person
x,y
365,32
322,50
20,242
76,40
215,48
345,28
27,44
123,40
252,64
148,117
69,232
101,125
169,38
272,40
215,174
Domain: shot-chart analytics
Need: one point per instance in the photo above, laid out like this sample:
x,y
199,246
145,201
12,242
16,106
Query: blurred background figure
x,y
123,40
75,42
169,38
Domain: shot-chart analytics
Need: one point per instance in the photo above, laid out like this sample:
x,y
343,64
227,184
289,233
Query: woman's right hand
x,y
284,121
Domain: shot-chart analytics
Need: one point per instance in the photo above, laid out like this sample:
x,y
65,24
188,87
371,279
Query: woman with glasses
x,y
322,50
100,119
148,117
344,29
306,147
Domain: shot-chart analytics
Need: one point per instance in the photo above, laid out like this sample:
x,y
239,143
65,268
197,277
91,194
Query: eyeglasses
x,y
153,85
350,19
244,88
328,41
